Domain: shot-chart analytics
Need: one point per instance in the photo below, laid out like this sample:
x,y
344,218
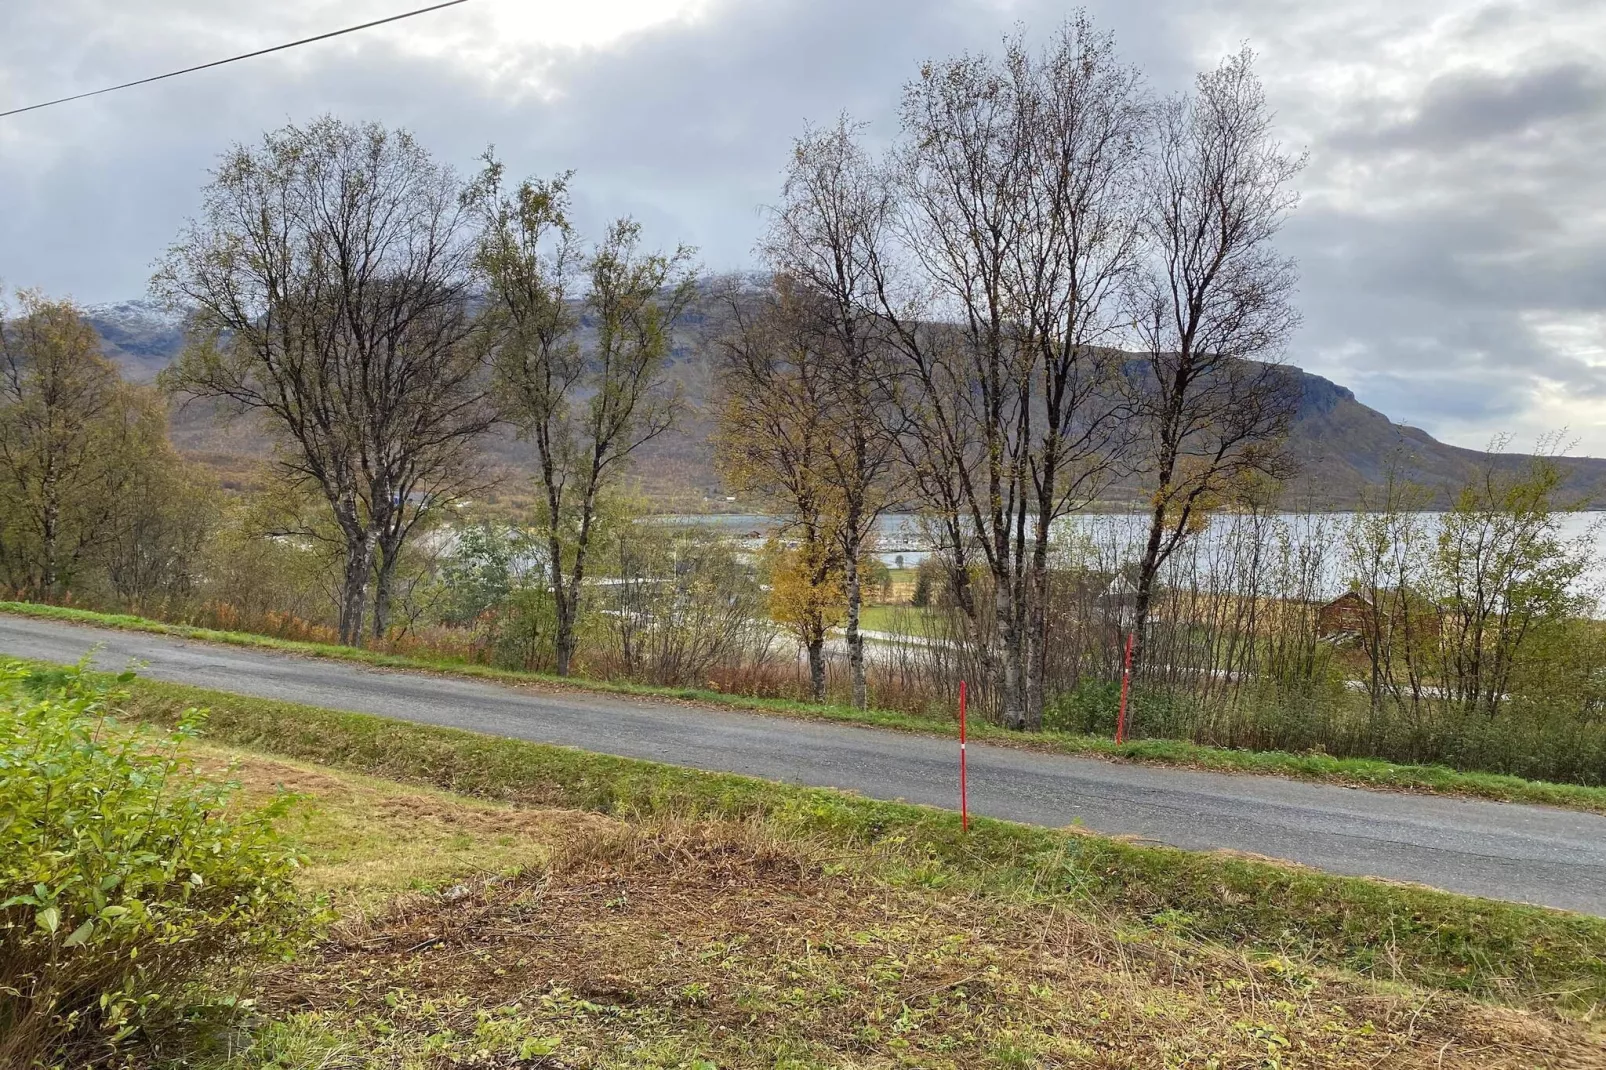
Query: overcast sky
x,y
1452,236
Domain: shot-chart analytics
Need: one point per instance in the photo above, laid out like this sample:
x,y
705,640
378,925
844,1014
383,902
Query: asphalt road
x,y
1525,853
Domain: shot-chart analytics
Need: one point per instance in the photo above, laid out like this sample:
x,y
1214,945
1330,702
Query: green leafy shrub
x,y
1087,709
125,878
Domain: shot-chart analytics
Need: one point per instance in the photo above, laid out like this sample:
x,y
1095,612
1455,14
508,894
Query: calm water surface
x,y
1115,535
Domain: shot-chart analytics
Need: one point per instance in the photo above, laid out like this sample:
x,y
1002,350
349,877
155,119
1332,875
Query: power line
x,y
236,59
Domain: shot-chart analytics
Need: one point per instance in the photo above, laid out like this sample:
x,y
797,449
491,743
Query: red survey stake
x,y
964,803
1126,684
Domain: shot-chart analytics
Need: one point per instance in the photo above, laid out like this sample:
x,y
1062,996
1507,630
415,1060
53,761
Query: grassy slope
x,y
1522,954
893,618
479,934
1360,772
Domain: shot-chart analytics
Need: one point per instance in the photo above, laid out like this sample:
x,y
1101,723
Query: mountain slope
x,y
139,335
1344,448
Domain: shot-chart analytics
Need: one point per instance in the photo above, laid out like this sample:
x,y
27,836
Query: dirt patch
x,y
679,942
259,776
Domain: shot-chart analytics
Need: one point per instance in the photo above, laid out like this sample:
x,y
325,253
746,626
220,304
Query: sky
x,y
1451,234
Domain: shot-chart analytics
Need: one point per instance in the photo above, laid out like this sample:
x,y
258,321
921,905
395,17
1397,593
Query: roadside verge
x,y
1523,955
1321,768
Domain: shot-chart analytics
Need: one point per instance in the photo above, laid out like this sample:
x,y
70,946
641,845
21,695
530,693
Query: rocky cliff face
x,y
1346,448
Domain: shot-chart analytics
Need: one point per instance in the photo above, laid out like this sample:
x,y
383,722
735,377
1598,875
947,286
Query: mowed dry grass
x,y
471,934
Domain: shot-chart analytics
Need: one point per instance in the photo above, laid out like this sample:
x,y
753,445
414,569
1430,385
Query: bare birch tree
x,y
1213,310
1016,233
959,172
328,279
824,235
1083,114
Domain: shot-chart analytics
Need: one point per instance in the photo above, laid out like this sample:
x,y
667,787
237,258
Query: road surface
x,y
1528,854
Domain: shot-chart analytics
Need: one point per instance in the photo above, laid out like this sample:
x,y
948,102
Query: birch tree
x,y
328,279
776,438
824,237
586,404
1213,309
1016,232
74,441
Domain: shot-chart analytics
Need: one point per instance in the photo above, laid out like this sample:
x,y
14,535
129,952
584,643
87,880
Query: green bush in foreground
x,y
124,878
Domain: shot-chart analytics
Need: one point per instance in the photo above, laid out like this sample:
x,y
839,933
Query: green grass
x,y
1524,955
578,940
472,933
909,620
368,840
1357,772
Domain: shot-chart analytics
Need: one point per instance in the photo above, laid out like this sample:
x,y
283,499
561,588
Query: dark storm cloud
x,y
1452,209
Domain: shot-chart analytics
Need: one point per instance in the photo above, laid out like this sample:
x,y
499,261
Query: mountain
x,y
140,336
1344,448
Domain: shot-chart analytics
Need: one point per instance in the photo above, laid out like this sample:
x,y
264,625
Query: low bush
x,y
125,878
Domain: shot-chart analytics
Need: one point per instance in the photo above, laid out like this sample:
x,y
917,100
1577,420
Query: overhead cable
x,y
235,59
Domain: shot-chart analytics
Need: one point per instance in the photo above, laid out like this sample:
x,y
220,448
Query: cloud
x,y
1452,239
1452,236
1471,107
